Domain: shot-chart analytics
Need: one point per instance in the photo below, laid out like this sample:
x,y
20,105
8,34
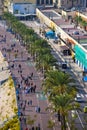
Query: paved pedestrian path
x,y
28,84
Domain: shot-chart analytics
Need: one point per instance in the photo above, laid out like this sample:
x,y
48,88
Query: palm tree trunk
x,y
63,122
58,113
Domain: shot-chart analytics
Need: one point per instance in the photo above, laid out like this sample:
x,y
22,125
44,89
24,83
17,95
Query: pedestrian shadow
x,y
44,113
3,81
17,60
32,106
35,77
28,110
4,69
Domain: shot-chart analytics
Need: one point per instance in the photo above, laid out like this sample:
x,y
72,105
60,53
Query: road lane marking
x,y
82,95
80,120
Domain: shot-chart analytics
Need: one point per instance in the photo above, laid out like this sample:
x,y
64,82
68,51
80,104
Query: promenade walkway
x,y
27,84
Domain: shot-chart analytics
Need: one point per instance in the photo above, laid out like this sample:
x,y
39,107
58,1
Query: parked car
x,y
79,99
73,113
85,109
76,33
64,65
55,41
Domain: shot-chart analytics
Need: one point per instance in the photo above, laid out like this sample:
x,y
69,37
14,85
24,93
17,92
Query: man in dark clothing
x,y
39,109
33,128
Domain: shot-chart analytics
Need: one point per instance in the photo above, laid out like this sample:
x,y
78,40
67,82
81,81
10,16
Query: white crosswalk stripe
x,y
86,95
82,95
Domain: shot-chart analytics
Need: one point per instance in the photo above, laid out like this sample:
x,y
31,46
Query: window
x,y
51,2
57,1
38,2
80,1
85,73
62,2
42,1
47,2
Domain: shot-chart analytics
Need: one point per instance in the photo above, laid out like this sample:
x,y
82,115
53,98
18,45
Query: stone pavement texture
x,y
27,84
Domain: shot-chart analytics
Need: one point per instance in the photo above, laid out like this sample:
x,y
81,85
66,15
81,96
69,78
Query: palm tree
x,y
40,50
64,104
58,82
47,61
51,124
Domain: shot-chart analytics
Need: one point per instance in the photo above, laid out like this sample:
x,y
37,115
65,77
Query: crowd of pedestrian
x,y
25,84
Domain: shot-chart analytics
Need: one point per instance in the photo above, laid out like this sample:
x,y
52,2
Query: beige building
x,y
69,3
38,2
24,1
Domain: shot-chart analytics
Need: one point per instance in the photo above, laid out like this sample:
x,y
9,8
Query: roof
x,y
76,33
50,32
51,14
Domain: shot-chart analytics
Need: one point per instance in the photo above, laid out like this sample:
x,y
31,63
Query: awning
x,y
64,48
70,41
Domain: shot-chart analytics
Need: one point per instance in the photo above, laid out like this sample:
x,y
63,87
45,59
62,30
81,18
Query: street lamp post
x,y
28,9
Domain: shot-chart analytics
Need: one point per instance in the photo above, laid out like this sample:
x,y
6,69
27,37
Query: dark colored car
x,y
64,66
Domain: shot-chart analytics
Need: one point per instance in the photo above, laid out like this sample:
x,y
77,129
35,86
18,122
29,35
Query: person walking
x,y
18,97
36,109
32,74
39,109
30,102
34,88
26,128
32,128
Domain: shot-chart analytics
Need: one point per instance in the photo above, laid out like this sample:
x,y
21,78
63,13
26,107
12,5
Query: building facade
x,y
44,2
37,2
25,6
24,1
8,3
70,3
63,30
59,3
